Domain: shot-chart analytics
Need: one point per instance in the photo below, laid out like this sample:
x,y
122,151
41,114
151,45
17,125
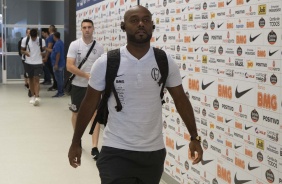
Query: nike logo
x,y
248,127
162,47
240,181
236,147
240,94
171,165
253,38
227,120
204,162
205,86
196,49
252,168
182,173
179,147
219,25
107,5
158,38
166,116
228,2
183,9
248,1
183,77
116,2
271,53
119,75
194,38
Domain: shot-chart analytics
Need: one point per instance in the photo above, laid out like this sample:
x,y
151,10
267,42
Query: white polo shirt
x,y
33,47
138,126
78,50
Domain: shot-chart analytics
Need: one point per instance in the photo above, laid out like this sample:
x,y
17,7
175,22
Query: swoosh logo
x,y
182,173
116,2
194,38
119,75
166,116
253,38
240,181
219,25
171,165
236,147
240,94
183,9
252,168
183,77
227,120
228,2
158,38
196,49
205,86
248,127
204,162
179,147
271,53
248,1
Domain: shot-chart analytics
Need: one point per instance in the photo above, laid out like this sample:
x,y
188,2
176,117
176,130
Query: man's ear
x,y
122,26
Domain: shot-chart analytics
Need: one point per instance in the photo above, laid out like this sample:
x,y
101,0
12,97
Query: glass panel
x,y
15,68
35,12
14,34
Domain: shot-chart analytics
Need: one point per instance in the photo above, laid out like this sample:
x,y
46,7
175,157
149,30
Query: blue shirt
x,y
48,40
58,48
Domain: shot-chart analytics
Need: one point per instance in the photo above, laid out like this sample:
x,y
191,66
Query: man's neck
x,y
87,40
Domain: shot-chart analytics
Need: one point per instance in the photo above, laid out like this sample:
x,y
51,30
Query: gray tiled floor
x,y
35,140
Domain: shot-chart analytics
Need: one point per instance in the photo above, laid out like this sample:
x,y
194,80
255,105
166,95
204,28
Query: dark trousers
x,y
48,64
118,166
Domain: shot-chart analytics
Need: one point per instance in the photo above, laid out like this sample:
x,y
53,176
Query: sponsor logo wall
x,y
229,55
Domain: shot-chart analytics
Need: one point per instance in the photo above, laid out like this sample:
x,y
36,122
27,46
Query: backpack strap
x,y
113,62
40,44
162,62
26,43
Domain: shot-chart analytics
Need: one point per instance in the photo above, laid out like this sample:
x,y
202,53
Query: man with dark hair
x,y
133,148
78,50
58,63
47,74
47,60
33,52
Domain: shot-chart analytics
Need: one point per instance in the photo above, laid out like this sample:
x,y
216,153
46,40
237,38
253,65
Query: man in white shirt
x,y
77,51
33,49
133,149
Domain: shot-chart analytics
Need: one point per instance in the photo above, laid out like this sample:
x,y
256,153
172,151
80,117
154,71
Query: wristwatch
x,y
197,138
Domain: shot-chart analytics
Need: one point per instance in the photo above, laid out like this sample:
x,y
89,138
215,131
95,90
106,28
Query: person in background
x,y
133,148
33,52
47,74
58,63
76,53
47,60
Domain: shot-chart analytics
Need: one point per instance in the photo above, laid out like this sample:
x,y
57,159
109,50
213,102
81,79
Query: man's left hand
x,y
195,146
56,67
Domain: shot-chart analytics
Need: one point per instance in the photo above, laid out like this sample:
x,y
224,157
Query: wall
x,y
229,55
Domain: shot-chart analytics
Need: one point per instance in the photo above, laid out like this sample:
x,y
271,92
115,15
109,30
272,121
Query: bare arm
x,y
24,52
185,110
72,68
86,111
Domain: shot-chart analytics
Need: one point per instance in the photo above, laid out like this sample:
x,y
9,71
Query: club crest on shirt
x,y
155,73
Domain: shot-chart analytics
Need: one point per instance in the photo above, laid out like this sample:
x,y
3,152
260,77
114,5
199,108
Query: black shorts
x,y
77,95
118,166
33,70
23,61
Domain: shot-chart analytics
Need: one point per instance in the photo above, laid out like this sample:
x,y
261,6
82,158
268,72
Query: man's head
x,y
33,34
27,31
56,36
52,29
138,24
45,32
87,28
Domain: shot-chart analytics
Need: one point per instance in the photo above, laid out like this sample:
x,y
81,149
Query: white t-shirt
x,y
138,126
78,50
33,47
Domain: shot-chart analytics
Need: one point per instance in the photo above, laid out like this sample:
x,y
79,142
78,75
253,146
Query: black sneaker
x,y
29,93
26,85
95,153
52,89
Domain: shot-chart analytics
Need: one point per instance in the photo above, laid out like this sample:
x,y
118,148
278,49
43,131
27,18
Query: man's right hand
x,y
75,155
44,60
